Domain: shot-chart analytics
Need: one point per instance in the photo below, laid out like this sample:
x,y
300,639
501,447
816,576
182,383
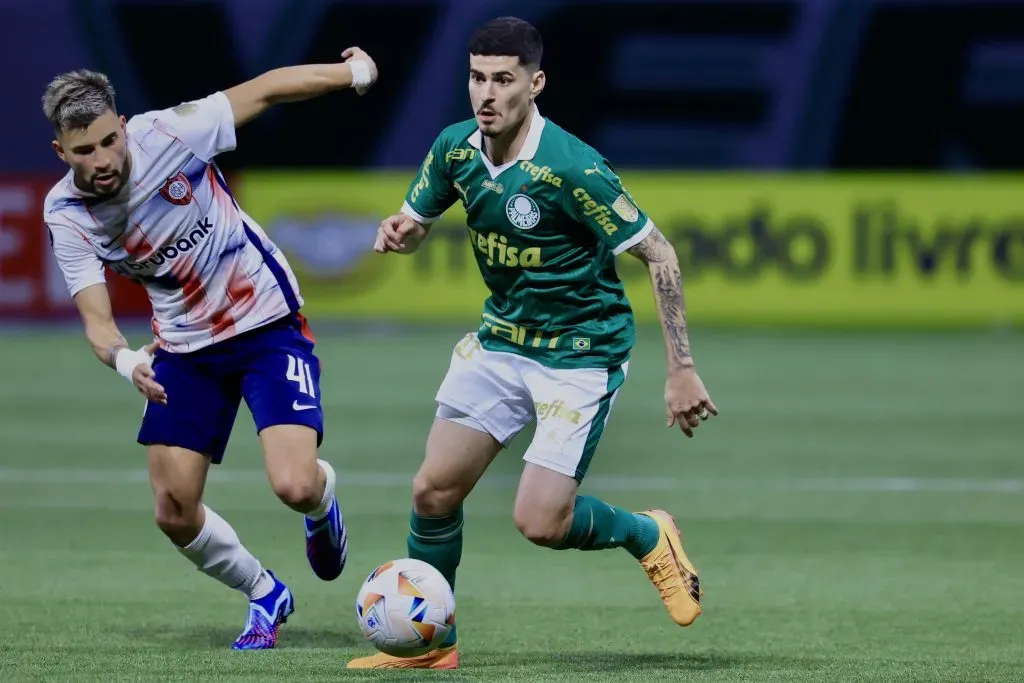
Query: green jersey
x,y
545,229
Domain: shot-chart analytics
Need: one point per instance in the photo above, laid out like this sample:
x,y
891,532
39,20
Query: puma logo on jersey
x,y
461,191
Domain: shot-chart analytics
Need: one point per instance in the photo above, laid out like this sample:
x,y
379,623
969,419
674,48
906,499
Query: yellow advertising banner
x,y
821,250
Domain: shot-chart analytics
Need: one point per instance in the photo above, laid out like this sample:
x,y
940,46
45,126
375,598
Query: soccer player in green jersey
x,y
547,215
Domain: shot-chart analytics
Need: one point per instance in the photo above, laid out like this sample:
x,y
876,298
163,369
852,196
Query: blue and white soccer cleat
x,y
265,617
327,539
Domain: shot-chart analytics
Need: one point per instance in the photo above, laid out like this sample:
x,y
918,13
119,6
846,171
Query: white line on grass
x,y
834,484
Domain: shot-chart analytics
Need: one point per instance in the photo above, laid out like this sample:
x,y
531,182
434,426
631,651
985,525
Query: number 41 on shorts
x,y
300,372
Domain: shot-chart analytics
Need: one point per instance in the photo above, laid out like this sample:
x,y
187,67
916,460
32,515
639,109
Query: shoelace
x,y
663,571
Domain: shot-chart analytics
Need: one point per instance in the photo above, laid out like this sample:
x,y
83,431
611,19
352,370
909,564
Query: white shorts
x,y
501,393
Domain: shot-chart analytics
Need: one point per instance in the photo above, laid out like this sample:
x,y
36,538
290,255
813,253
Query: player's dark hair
x,y
508,37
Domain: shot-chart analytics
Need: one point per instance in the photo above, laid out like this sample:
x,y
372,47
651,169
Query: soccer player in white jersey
x,y
145,198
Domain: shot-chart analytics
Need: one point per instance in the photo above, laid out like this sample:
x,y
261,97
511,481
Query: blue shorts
x,y
272,367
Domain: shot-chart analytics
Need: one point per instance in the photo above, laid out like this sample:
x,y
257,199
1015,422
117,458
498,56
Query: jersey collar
x,y
528,151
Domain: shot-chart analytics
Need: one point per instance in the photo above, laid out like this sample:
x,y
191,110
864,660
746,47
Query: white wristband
x,y
126,361
361,78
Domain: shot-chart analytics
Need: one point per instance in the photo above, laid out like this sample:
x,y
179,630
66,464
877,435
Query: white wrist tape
x,y
126,361
361,78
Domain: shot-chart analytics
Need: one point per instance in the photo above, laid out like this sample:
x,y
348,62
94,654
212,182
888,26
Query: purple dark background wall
x,y
831,84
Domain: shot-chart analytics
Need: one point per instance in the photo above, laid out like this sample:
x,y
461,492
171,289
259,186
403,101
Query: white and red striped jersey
x,y
211,272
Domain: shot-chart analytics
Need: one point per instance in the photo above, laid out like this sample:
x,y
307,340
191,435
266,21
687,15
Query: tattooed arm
x,y
687,402
599,193
667,281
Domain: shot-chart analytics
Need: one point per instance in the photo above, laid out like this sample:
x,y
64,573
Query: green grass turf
x,y
856,512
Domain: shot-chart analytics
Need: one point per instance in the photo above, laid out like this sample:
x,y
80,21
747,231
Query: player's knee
x,y
177,518
545,530
295,477
432,499
298,490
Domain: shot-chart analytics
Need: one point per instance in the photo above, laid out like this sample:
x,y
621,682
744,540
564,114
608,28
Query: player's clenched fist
x,y
400,234
687,402
364,70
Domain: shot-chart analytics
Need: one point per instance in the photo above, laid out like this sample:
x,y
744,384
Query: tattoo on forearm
x,y
112,350
653,249
668,290
667,280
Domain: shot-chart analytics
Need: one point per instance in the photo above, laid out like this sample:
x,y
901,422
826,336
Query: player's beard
x,y
114,181
490,130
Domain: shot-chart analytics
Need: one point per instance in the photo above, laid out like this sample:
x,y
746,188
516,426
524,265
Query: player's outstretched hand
x,y
354,54
143,378
687,402
398,233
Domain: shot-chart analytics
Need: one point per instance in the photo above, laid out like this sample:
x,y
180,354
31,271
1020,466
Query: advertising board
x,y
828,250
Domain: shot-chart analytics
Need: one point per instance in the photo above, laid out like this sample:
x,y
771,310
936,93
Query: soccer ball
x,y
405,608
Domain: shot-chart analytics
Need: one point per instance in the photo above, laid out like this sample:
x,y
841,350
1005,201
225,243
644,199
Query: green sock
x,y
438,542
596,525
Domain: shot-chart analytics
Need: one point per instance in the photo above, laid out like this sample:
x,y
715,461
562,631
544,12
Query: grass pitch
x,y
856,513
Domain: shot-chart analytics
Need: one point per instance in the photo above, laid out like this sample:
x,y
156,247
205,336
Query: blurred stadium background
x,y
841,180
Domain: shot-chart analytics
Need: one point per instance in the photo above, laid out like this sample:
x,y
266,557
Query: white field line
x,y
370,479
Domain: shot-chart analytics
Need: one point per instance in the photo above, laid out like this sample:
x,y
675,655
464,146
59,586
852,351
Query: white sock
x,y
218,552
320,511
